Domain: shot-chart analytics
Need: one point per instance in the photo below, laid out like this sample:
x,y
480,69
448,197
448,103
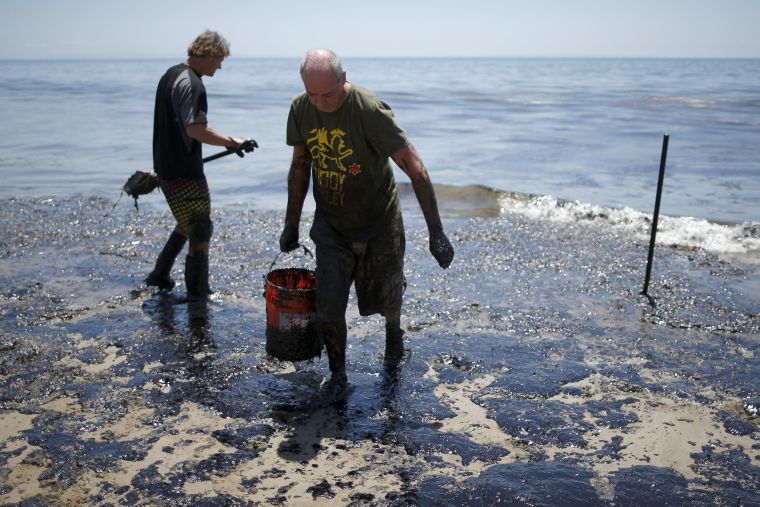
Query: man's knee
x,y
201,228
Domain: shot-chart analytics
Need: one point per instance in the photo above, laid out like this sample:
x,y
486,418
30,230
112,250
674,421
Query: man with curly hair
x,y
180,128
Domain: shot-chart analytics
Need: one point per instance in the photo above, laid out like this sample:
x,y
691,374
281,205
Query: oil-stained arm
x,y
409,162
298,186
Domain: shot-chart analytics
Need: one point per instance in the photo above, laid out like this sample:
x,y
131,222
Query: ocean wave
x,y
742,240
693,102
738,240
463,200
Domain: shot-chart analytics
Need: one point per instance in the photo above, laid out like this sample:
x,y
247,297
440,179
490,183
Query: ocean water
x,y
561,138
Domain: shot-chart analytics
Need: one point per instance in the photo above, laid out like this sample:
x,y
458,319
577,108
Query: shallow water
x,y
536,375
586,130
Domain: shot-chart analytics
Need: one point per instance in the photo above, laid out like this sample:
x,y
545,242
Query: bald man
x,y
344,137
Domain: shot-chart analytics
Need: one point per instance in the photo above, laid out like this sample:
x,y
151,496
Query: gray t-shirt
x,y
180,101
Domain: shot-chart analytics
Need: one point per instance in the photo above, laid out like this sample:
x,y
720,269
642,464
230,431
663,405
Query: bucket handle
x,y
306,251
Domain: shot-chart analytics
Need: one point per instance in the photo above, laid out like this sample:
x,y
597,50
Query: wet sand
x,y
536,374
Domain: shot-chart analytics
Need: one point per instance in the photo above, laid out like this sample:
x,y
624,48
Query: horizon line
x,y
410,57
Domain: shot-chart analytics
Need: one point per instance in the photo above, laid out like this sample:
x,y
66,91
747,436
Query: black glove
x,y
289,238
441,248
243,145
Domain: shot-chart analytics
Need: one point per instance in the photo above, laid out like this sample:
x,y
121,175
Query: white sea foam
x,y
741,240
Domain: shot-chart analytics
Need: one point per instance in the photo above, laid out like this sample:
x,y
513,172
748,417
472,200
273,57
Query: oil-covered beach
x,y
537,374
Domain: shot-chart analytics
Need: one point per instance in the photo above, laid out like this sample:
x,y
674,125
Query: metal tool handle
x,y
306,251
246,146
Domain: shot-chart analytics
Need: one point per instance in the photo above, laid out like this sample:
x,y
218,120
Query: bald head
x,y
321,61
324,80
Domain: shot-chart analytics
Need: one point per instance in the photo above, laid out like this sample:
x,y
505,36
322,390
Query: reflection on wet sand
x,y
532,362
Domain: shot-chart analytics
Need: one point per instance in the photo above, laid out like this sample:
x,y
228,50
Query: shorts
x,y
375,267
187,198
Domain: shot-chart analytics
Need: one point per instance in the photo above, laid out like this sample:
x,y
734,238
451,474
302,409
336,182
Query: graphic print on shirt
x,y
328,151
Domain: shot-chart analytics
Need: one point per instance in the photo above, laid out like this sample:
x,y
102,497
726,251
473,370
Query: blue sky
x,y
277,28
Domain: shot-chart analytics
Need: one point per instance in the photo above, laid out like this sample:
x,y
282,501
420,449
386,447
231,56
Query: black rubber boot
x,y
334,337
394,344
201,274
196,276
191,274
161,275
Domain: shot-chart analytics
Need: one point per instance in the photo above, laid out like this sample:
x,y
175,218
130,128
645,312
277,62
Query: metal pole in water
x,y
656,215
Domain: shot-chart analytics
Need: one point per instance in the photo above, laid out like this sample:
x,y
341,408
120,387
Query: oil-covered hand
x,y
243,146
441,248
289,238
248,145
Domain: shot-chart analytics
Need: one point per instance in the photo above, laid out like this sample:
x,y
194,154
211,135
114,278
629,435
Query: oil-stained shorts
x,y
375,267
187,198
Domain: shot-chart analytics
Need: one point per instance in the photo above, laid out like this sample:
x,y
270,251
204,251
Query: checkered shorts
x,y
187,197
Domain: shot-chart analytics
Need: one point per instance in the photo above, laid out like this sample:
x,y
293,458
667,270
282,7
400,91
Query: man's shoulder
x,y
359,92
180,76
367,99
176,70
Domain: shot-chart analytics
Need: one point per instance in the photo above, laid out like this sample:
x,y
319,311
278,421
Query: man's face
x,y
211,64
325,92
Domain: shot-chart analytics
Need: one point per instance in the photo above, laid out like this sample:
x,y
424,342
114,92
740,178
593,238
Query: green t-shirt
x,y
354,187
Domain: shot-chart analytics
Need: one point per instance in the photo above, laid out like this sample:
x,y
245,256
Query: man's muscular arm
x,y
298,185
409,162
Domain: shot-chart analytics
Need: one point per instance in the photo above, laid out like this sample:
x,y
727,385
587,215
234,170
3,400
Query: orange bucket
x,y
291,314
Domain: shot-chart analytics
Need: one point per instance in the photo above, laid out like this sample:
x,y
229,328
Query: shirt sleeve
x,y
186,102
293,135
383,133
